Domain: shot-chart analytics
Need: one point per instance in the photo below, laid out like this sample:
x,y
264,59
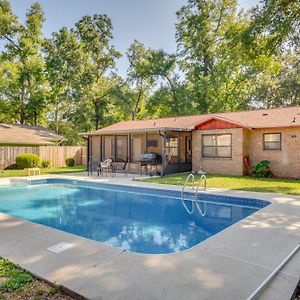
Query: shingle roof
x,y
11,134
261,118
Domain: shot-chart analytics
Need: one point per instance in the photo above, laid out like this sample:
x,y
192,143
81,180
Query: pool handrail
x,y
203,177
182,193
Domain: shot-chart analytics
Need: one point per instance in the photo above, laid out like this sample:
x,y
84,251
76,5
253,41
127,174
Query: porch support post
x,y
178,151
88,155
163,154
146,139
115,147
100,146
129,147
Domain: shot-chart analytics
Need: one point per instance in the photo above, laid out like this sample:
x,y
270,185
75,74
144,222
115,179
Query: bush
x,y
262,169
70,162
27,160
45,163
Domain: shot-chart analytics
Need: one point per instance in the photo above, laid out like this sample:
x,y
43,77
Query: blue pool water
x,y
136,219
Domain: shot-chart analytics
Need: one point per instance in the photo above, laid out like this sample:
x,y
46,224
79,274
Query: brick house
x,y
217,143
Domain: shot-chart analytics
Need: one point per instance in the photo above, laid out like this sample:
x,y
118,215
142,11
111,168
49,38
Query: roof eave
x,y
106,132
277,126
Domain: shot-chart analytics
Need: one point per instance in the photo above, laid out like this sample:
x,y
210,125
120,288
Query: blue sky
x,y
151,22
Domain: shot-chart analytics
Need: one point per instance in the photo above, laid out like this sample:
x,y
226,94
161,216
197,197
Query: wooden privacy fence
x,y
55,154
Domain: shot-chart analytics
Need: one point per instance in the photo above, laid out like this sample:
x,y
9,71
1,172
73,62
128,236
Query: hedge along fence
x,y
55,154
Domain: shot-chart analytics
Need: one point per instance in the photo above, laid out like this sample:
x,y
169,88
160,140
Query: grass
x,y
273,185
16,283
20,173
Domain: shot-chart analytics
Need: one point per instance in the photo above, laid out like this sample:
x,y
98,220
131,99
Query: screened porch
x,y
173,147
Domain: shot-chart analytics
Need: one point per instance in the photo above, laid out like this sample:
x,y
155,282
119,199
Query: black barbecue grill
x,y
151,159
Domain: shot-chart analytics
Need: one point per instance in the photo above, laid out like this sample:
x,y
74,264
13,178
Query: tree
x,y
63,60
220,73
273,37
278,21
97,80
162,68
139,76
283,89
22,66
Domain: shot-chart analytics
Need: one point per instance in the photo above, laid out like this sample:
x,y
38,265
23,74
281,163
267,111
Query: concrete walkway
x,y
230,265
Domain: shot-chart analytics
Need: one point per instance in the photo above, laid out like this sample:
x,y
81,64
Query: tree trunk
x,y
174,96
56,117
97,117
137,104
35,117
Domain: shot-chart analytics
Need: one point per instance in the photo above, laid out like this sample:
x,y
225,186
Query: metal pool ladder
x,y
194,202
190,211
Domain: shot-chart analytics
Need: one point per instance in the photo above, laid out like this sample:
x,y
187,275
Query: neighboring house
x,y
217,143
17,139
27,135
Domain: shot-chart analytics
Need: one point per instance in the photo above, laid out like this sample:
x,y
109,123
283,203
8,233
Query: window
x,y
152,143
272,141
172,146
216,145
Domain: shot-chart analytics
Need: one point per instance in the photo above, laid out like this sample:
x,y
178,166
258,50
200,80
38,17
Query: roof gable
x,y
13,134
215,122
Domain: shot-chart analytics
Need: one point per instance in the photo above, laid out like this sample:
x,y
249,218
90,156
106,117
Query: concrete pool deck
x,y
230,265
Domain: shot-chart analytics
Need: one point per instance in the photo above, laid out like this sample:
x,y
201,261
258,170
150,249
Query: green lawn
x,y
274,185
16,283
17,173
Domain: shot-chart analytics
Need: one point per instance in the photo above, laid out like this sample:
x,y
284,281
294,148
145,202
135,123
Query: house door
x,y
188,148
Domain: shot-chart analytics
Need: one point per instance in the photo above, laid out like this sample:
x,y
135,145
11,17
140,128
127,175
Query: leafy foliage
x,y
45,163
262,169
27,160
70,162
227,60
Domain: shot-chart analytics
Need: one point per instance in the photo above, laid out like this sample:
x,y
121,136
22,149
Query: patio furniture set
x,y
108,167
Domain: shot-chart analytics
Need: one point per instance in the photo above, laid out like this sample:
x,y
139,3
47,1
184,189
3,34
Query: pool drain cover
x,y
60,247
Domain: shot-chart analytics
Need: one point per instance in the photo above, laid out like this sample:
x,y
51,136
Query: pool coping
x,y
201,272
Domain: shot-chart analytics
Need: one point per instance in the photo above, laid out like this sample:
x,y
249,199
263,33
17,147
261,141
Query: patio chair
x,y
121,168
105,166
93,167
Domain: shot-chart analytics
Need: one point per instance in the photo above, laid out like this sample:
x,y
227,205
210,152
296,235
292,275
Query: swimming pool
x,y
137,219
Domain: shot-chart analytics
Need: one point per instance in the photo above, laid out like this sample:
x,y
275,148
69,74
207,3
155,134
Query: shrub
x,y
45,163
70,162
27,160
262,169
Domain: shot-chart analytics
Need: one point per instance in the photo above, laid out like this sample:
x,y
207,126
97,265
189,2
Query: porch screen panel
x,y
108,147
172,149
216,145
122,148
136,148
